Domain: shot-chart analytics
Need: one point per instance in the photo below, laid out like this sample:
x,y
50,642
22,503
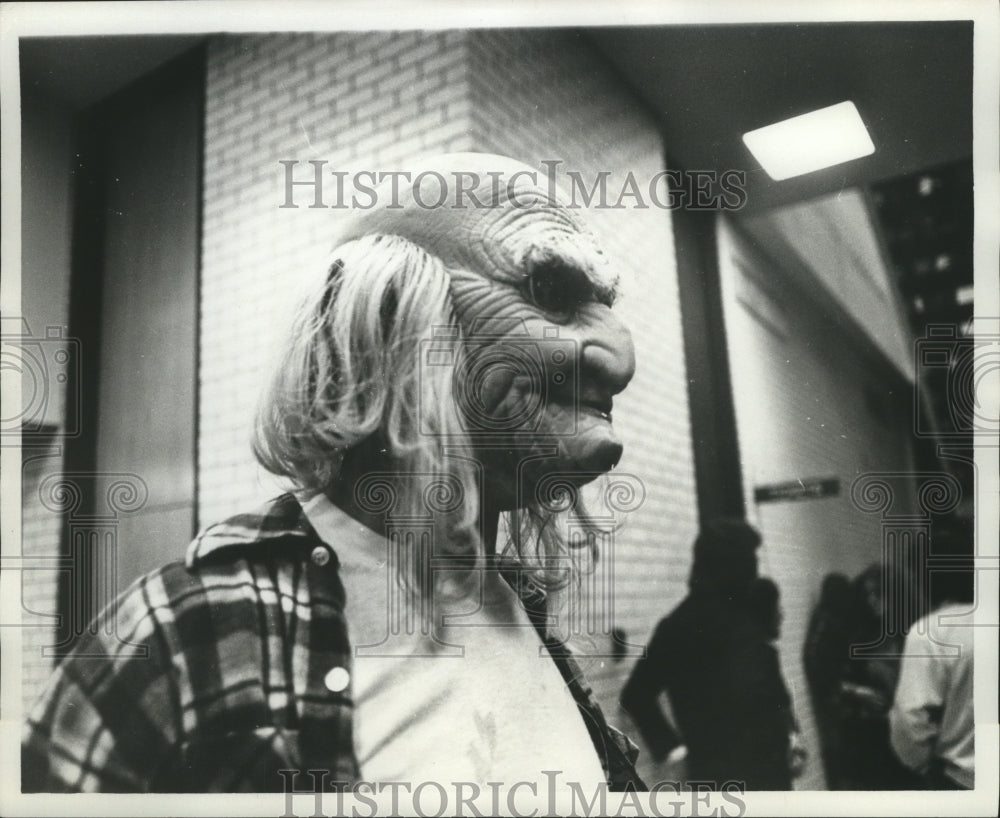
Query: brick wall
x,y
41,532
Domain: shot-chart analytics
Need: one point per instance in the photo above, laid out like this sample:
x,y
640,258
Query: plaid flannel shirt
x,y
213,680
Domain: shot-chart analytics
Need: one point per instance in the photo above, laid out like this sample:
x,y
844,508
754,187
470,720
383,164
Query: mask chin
x,y
587,442
578,459
591,456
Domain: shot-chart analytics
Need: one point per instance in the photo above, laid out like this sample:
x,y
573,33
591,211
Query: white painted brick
x,y
457,73
370,109
428,46
358,64
424,122
41,535
399,43
421,87
330,92
454,37
398,79
453,57
446,94
322,53
380,70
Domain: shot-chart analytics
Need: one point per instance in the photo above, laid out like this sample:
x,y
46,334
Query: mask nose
x,y
608,352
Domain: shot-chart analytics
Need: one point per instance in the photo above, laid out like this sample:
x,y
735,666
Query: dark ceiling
x,y
708,85
79,71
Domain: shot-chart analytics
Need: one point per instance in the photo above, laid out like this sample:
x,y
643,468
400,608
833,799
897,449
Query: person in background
x,y
705,657
781,755
825,657
932,721
865,692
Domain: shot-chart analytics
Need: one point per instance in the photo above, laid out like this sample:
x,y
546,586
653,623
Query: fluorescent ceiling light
x,y
811,141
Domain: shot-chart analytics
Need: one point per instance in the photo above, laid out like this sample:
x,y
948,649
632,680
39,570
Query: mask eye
x,y
559,291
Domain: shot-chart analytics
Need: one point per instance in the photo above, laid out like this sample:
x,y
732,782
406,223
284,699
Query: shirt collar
x,y
337,528
280,518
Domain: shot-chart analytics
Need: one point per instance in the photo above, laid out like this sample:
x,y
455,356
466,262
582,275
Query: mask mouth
x,y
599,407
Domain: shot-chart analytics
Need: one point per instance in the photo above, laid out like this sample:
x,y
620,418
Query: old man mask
x,y
464,328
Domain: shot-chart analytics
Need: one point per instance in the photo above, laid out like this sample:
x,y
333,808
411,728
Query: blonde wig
x,y
351,369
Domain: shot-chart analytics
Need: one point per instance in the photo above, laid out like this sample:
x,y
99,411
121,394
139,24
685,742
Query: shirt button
x,y
337,679
321,555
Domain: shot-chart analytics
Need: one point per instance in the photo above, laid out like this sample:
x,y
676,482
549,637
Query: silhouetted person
x,y
714,686
825,657
779,754
866,691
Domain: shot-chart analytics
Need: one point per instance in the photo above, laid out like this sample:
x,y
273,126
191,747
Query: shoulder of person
x,y
262,549
676,623
271,556
278,529
941,630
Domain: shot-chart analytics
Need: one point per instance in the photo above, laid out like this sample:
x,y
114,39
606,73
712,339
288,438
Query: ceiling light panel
x,y
810,142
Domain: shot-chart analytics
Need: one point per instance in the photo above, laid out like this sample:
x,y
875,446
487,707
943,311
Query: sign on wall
x,y
812,488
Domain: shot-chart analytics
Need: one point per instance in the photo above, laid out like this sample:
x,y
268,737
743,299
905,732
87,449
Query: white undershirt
x,y
932,714
498,713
